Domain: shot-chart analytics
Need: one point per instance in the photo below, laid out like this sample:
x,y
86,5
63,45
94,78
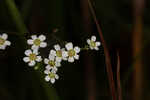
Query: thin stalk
x,y
138,10
119,89
14,12
106,52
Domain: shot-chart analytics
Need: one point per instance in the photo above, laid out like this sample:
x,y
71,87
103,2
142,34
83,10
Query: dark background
x,y
85,79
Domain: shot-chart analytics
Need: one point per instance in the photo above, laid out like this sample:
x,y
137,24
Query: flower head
x,y
3,41
51,62
59,53
51,76
32,57
93,44
72,52
37,42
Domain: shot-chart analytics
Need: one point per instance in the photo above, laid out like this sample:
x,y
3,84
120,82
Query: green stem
x,y
14,12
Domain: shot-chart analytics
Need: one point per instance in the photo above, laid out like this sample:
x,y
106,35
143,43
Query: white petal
x,y
58,59
35,51
93,38
54,69
2,47
34,37
71,59
34,47
46,71
52,80
43,44
26,59
96,48
57,47
76,57
58,64
48,67
28,52
91,48
4,36
98,43
30,41
47,78
64,54
56,76
63,49
88,41
42,37
77,49
51,57
53,52
64,58
7,43
32,63
38,59
69,46
46,61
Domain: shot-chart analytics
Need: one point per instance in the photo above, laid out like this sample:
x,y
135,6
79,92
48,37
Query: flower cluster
x,y
32,55
56,56
68,53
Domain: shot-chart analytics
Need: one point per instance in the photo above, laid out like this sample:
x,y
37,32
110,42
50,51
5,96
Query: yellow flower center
x,y
59,53
2,41
32,57
37,42
93,44
51,63
51,75
71,53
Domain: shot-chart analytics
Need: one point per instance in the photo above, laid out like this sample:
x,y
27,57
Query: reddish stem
x,y
118,77
106,52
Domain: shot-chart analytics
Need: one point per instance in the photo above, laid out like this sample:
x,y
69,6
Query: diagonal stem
x,y
106,52
14,12
119,90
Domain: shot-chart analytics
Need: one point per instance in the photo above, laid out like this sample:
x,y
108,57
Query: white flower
x,y
52,63
50,76
3,41
37,42
93,44
72,53
60,54
32,57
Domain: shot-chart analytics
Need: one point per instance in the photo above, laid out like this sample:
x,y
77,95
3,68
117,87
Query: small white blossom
x,y
50,76
32,57
93,44
3,41
72,53
37,42
52,64
59,53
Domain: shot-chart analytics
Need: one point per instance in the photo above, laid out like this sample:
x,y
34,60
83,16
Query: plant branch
x,y
14,12
118,77
106,52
